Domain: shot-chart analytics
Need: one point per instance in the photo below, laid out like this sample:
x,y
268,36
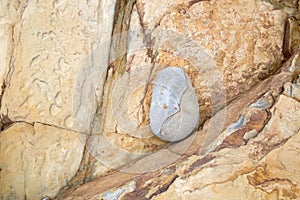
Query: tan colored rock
x,y
6,50
37,160
223,57
57,55
276,176
58,69
235,170
10,12
223,169
237,48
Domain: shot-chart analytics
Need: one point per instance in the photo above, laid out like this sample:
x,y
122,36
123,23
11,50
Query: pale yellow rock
x,y
10,12
5,51
12,145
153,11
59,61
36,161
57,54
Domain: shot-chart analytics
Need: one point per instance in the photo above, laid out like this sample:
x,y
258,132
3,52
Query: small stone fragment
x,y
117,194
250,134
113,195
237,124
264,103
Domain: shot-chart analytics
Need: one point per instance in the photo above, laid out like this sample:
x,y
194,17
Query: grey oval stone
x,y
174,111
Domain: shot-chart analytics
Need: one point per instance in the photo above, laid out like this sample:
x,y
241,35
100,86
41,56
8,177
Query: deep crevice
x,y
164,188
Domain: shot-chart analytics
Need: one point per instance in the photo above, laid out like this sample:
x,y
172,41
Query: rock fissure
x,y
164,188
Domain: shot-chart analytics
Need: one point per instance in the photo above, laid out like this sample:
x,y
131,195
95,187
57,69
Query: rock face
x,y
222,49
37,160
76,84
53,45
263,165
234,171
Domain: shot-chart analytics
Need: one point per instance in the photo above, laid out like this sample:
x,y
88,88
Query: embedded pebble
x,y
250,134
264,102
261,103
237,124
174,111
116,195
113,195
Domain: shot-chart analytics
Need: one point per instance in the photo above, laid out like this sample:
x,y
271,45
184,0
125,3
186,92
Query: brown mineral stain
x,y
165,106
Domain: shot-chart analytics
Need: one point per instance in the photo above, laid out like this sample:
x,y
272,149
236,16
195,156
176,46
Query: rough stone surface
x,y
37,160
259,168
53,65
76,84
221,46
225,31
235,170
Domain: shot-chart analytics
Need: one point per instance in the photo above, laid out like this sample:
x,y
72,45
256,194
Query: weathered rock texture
x,y
262,165
76,85
37,160
222,46
53,46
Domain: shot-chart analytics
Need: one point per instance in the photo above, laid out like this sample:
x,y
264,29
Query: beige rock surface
x,y
259,168
233,35
76,85
10,14
6,50
56,65
37,160
251,168
222,45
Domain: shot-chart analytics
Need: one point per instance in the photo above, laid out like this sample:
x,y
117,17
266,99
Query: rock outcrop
x,y
76,83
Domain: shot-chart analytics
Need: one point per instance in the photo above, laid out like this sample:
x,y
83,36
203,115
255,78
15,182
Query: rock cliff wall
x,y
76,84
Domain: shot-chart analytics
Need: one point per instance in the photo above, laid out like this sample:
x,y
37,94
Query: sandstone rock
x,y
233,170
276,176
294,65
37,160
283,4
57,66
10,10
6,50
196,172
210,24
292,90
63,68
208,48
